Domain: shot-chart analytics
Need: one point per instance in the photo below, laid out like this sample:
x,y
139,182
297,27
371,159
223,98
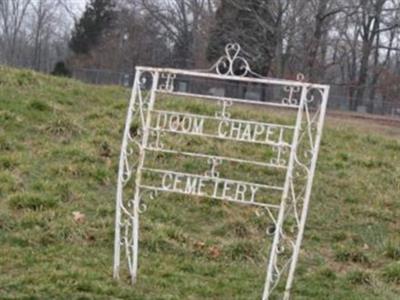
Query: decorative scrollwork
x,y
270,231
232,63
157,135
127,242
278,160
280,249
300,77
145,80
142,208
312,93
214,162
291,98
224,114
168,84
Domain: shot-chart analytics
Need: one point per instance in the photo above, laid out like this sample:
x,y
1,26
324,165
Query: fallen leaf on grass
x,y
79,217
214,251
199,244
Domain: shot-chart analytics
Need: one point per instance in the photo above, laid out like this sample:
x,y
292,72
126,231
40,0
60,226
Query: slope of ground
x,y
59,143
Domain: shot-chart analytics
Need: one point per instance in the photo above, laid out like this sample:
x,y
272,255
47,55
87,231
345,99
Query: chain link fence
x,y
101,76
338,99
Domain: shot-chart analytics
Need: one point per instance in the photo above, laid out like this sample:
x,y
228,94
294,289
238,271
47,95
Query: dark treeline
x,y
352,44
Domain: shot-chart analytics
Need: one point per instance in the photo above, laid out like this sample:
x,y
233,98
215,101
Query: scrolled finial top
x,y
232,63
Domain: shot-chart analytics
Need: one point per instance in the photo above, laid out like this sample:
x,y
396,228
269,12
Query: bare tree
x,y
182,22
33,33
373,23
43,19
322,13
12,15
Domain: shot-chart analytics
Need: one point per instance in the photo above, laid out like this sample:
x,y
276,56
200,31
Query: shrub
x,y
60,69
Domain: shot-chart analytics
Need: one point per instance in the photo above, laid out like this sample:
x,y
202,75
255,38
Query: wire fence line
x,y
338,99
102,76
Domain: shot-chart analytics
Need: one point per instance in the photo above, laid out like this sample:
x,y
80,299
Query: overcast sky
x,y
76,4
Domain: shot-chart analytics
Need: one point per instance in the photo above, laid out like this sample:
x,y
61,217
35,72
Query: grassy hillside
x,y
59,143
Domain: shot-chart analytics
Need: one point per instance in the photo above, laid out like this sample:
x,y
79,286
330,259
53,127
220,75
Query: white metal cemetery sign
x,y
293,147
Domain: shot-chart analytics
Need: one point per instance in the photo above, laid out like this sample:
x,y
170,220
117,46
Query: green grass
x,y
59,144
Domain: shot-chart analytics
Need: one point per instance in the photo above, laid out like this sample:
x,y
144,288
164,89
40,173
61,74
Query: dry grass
x,y
59,142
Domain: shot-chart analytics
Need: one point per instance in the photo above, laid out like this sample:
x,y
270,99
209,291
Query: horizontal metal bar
x,y
264,186
221,98
272,144
266,80
202,155
222,119
210,197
